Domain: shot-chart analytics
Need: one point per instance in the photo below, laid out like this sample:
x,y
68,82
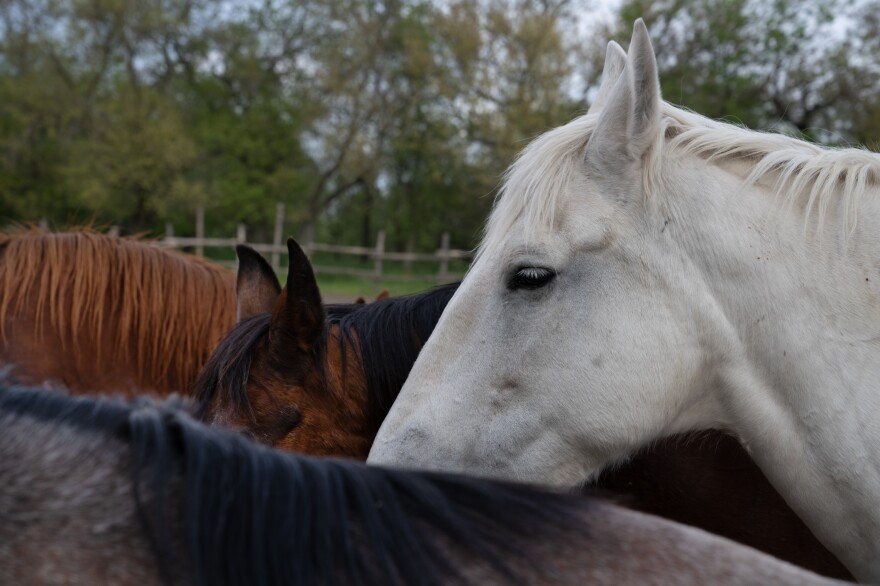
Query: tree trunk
x,y
142,218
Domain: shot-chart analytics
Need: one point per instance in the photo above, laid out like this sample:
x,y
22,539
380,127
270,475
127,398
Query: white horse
x,y
647,271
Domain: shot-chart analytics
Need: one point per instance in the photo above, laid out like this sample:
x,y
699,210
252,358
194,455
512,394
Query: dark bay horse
x,y
102,491
308,378
319,380
93,312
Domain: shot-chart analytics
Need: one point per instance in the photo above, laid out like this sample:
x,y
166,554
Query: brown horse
x,y
104,492
290,373
92,312
306,378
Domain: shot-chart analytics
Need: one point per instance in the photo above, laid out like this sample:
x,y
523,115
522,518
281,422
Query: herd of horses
x,y
313,379
229,453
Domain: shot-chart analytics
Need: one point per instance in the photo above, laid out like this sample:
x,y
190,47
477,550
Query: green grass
x,y
396,278
355,287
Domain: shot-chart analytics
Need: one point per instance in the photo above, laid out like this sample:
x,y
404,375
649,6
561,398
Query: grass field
x,y
395,277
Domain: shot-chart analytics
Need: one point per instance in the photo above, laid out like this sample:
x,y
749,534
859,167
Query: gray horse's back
x,y
67,512
68,516
629,547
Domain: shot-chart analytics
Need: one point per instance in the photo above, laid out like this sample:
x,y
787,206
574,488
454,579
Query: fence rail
x,y
377,254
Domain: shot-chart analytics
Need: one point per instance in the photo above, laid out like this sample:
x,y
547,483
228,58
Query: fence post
x,y
113,231
380,250
44,224
276,238
200,230
240,233
443,273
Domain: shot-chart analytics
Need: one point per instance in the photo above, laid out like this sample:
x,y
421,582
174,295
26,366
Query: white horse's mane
x,y
534,184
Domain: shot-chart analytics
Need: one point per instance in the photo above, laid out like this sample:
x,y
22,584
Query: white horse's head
x,y
575,335
629,287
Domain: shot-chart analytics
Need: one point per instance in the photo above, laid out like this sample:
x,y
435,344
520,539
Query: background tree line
x,y
368,114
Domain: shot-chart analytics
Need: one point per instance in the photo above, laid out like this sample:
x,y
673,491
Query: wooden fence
x,y
377,254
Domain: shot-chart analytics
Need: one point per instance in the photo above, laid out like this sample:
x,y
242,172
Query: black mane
x,y
388,335
86,413
257,516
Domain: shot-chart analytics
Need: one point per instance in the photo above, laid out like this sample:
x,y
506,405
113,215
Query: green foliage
x,y
31,150
770,65
132,166
398,115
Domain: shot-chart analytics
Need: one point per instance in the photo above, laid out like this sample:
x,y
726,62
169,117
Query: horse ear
x,y
299,313
383,294
630,121
615,60
256,287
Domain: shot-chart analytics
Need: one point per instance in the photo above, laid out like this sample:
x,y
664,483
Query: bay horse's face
x,y
280,375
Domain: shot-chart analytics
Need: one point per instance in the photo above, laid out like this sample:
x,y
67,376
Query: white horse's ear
x,y
615,61
629,122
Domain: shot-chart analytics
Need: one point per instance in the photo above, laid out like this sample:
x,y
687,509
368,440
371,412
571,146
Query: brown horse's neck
x,y
98,313
707,480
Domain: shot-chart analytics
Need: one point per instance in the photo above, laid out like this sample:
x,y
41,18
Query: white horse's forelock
x,y
534,184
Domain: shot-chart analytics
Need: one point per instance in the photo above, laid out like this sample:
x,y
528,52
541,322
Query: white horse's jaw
x,y
401,445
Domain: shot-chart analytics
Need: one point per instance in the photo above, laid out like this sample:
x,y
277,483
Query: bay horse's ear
x,y
299,313
383,294
257,287
629,123
615,61
360,301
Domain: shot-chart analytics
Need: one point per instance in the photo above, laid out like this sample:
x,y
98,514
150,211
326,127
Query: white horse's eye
x,y
531,278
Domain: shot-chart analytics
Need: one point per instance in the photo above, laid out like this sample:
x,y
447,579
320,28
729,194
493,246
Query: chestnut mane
x,y
160,311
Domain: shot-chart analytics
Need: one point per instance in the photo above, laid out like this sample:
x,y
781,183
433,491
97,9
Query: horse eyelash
x,y
522,278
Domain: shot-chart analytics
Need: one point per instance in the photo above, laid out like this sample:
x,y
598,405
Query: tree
x,y
244,105
462,87
132,166
857,75
74,81
399,114
766,64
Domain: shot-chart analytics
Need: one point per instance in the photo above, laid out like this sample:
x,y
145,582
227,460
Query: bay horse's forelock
x,y
107,492
108,303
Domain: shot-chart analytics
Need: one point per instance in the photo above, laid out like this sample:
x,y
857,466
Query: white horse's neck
x,y
801,321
